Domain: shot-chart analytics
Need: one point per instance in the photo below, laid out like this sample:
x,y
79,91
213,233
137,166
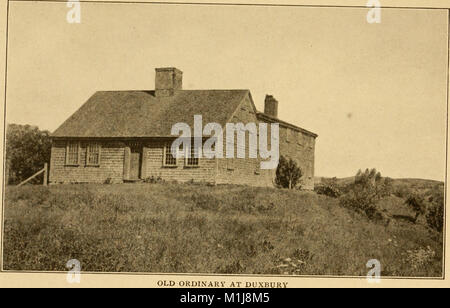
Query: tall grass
x,y
182,228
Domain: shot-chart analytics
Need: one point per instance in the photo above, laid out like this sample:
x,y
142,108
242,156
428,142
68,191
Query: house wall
x,y
248,172
111,164
301,150
299,146
238,170
153,156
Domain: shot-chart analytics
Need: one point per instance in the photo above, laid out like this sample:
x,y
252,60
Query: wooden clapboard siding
x,y
115,158
111,164
154,154
115,164
244,171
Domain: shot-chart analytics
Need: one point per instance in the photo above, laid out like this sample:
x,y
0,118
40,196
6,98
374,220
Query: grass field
x,y
188,228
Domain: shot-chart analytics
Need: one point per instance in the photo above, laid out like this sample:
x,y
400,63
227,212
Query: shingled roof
x,y
142,114
269,119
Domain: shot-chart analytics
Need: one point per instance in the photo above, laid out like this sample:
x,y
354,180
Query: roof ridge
x,y
264,115
122,113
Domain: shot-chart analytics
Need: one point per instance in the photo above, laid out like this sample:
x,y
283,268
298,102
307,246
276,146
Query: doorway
x,y
135,161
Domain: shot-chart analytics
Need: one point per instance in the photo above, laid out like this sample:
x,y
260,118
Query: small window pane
x,y
72,153
192,156
299,137
169,159
93,154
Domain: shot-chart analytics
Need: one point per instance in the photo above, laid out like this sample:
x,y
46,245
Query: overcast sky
x,y
375,93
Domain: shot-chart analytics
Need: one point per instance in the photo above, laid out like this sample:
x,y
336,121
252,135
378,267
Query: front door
x,y
135,161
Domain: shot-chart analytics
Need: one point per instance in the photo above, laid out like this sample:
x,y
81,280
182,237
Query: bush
x,y
363,194
386,187
401,191
27,149
328,187
435,215
363,201
416,203
288,173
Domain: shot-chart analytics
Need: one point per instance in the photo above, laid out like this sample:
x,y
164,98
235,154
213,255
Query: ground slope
x,y
187,228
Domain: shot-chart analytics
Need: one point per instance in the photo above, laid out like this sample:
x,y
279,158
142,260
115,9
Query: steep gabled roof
x,y
141,114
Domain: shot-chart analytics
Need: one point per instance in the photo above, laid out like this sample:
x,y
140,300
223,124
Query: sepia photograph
x,y
219,139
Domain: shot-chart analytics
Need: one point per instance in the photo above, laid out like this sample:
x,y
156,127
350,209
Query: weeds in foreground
x,y
186,228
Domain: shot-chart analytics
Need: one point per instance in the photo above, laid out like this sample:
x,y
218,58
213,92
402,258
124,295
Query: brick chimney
x,y
271,106
167,81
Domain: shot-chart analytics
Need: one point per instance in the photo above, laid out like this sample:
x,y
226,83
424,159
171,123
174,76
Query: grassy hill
x,y
188,228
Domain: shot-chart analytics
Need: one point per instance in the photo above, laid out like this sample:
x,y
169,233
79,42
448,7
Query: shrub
x,y
401,191
27,149
386,187
416,203
361,200
363,194
288,173
328,187
435,217
435,214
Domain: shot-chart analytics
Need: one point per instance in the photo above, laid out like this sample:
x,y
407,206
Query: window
x,y
288,135
310,142
169,159
93,154
299,138
72,153
192,156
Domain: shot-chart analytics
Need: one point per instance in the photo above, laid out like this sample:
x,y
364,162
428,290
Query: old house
x,y
119,136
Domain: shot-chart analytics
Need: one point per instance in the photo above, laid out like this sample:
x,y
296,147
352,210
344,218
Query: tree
x,y
328,187
417,203
369,177
288,173
435,215
387,187
402,191
27,149
364,193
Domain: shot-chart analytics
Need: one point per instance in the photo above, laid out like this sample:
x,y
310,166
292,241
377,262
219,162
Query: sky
x,y
376,94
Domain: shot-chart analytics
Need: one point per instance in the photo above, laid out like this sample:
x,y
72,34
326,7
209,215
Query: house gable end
x,y
245,107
